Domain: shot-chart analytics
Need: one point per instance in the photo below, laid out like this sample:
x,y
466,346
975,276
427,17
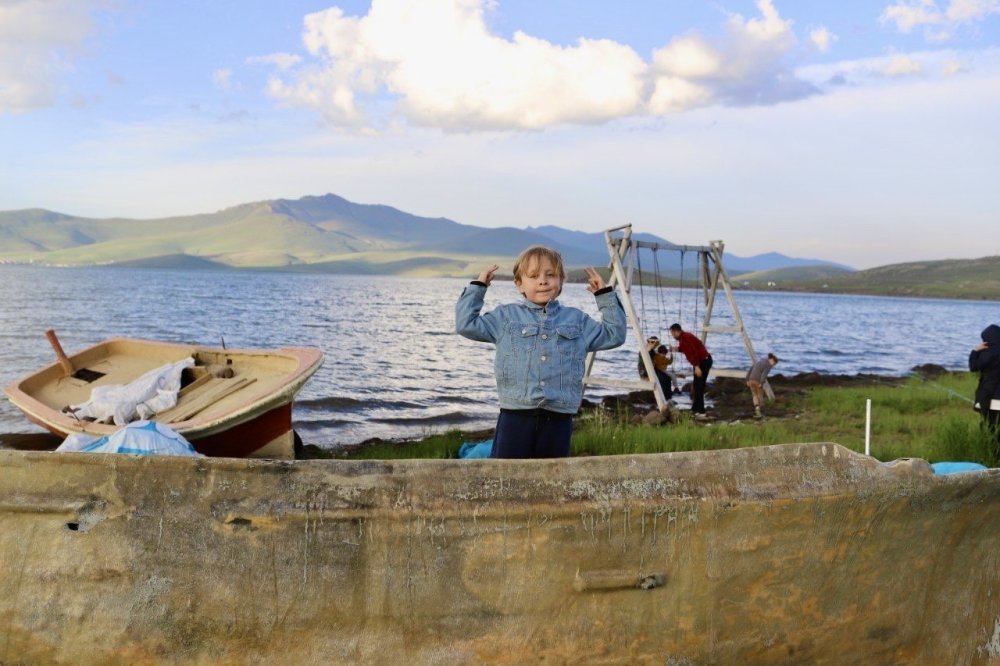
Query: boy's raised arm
x,y
610,331
486,277
594,281
469,323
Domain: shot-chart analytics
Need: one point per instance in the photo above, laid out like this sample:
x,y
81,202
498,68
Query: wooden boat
x,y
233,402
790,554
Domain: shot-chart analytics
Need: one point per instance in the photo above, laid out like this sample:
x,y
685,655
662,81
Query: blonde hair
x,y
537,253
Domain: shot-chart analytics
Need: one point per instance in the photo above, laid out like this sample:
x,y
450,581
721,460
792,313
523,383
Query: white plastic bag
x,y
150,394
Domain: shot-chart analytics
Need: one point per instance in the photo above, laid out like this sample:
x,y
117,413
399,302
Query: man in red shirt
x,y
697,355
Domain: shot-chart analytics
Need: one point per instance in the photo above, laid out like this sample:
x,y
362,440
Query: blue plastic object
x,y
475,449
956,467
143,438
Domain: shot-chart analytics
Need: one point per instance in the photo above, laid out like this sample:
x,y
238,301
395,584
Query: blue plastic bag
x,y
476,449
143,438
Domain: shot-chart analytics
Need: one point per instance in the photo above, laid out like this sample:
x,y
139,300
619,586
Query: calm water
x,y
394,367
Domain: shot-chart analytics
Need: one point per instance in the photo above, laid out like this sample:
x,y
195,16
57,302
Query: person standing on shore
x,y
756,376
985,359
699,358
540,350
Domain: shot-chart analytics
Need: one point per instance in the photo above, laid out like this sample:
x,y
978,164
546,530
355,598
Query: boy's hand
x,y
486,277
981,346
594,280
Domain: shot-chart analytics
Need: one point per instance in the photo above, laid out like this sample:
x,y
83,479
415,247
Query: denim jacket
x,y
540,349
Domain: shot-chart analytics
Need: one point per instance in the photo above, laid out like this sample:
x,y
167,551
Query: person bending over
x,y
699,358
756,376
540,350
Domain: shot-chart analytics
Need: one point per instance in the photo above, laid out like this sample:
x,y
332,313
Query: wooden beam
x,y
637,384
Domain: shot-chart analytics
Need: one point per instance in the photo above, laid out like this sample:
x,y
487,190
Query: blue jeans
x,y
532,433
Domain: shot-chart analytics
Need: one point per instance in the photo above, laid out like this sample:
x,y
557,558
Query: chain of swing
x,y
661,309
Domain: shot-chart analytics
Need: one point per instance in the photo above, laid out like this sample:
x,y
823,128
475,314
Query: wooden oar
x,y
67,365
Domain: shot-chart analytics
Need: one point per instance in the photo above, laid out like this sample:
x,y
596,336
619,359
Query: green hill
x,y
326,233
331,234
947,278
791,274
315,233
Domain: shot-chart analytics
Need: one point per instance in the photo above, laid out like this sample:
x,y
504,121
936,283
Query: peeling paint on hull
x,y
782,554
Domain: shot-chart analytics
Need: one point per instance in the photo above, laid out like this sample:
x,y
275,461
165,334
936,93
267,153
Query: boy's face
x,y
539,282
675,334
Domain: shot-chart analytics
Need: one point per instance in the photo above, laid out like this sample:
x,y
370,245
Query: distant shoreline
x,y
575,276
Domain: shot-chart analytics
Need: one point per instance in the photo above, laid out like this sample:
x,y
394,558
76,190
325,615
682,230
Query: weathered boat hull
x,y
784,554
251,418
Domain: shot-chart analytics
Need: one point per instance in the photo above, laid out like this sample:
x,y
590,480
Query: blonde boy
x,y
540,351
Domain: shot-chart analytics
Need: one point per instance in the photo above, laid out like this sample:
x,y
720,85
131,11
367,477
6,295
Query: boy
x,y
658,355
755,380
699,358
661,363
651,344
541,346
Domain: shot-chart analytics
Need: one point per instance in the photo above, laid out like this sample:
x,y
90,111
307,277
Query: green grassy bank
x,y
914,419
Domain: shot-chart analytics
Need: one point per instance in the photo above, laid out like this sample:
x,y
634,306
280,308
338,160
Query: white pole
x,y
868,427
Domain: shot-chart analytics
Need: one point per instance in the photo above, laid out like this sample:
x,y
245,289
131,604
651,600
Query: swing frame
x,y
711,275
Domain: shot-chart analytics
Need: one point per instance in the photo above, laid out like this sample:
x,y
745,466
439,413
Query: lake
x,y
394,366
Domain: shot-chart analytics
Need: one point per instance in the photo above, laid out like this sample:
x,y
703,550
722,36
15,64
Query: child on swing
x,y
540,351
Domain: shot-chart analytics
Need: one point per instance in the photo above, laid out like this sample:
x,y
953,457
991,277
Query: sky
x,y
860,132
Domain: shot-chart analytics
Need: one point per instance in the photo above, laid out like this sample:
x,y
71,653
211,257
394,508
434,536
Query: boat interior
x,y
219,381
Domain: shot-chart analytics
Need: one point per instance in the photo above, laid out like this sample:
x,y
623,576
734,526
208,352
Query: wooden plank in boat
x,y
217,390
193,386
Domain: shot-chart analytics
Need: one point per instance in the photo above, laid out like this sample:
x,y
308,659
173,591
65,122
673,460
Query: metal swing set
x,y
626,270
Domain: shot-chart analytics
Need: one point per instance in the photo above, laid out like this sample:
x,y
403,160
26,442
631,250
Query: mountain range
x,y
325,234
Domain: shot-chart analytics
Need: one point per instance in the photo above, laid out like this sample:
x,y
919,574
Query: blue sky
x,y
859,132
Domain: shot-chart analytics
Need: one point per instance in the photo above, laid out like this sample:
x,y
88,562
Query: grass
x,y
434,446
915,419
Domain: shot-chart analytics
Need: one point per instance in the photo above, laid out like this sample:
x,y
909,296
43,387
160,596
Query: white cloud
x,y
282,61
822,39
902,65
38,42
953,67
932,66
223,78
871,162
746,67
939,24
441,66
